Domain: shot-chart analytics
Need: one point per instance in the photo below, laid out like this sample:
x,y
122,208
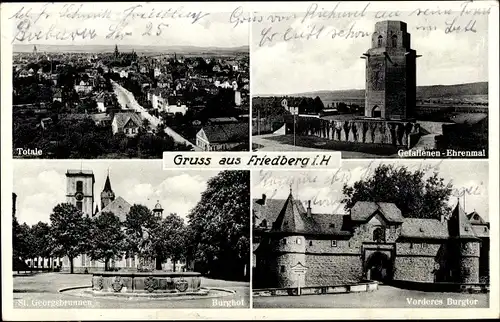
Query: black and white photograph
x,y
371,84
372,234
96,235
178,82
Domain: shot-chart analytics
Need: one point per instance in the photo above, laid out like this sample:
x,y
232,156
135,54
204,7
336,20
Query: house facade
x,y
373,242
222,137
128,123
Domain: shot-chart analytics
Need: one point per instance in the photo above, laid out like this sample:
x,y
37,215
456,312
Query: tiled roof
x,y
424,228
216,120
363,210
459,225
475,219
231,132
123,118
119,207
290,216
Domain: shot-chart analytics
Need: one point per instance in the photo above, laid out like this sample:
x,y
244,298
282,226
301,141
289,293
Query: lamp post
x,y
294,125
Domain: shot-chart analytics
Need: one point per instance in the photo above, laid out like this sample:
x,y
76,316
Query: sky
x,y
199,25
40,185
324,188
300,65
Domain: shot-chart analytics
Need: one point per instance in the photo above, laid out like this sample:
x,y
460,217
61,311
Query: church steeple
x,y
107,194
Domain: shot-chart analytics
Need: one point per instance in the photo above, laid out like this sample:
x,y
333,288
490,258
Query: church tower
x,y
80,190
390,73
158,210
107,194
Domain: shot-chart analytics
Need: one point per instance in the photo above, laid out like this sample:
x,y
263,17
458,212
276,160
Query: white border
x,y
134,314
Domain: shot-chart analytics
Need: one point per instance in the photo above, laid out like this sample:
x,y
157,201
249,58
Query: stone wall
x,y
280,274
367,131
469,262
414,268
333,270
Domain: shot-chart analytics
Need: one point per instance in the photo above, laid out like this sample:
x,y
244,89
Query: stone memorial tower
x,y
390,73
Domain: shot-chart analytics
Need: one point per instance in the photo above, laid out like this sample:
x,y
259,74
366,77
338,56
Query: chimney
x,y
263,199
309,208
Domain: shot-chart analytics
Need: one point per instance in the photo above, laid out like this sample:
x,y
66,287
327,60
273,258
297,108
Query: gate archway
x,y
379,267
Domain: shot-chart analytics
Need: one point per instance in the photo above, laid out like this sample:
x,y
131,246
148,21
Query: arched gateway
x,y
378,267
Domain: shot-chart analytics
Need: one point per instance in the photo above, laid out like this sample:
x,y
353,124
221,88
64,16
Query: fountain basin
x,y
146,282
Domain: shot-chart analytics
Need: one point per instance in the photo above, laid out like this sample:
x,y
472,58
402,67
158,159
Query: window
x,y
378,235
263,223
485,228
332,225
394,41
79,186
126,131
334,243
298,241
411,245
283,241
282,270
79,205
379,41
310,243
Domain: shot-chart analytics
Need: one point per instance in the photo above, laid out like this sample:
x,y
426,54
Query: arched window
x,y
394,41
378,235
379,41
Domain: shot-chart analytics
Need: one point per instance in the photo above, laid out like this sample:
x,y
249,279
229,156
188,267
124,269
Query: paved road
x,y
127,99
385,297
41,291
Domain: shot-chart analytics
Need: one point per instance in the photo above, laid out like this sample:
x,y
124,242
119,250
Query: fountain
x,y
145,282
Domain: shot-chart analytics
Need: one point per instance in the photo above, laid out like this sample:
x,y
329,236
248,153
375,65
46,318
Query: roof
x,y
459,225
215,120
293,217
424,228
475,219
57,92
107,184
101,117
289,218
124,117
119,207
74,116
268,209
363,210
80,173
228,132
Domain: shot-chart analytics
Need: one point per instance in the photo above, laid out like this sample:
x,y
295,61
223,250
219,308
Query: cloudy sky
x,y
300,65
40,185
324,188
183,24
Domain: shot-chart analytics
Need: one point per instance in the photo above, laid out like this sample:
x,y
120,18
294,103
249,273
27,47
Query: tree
x,y
415,196
20,239
68,232
41,240
318,105
107,238
170,239
139,224
219,226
